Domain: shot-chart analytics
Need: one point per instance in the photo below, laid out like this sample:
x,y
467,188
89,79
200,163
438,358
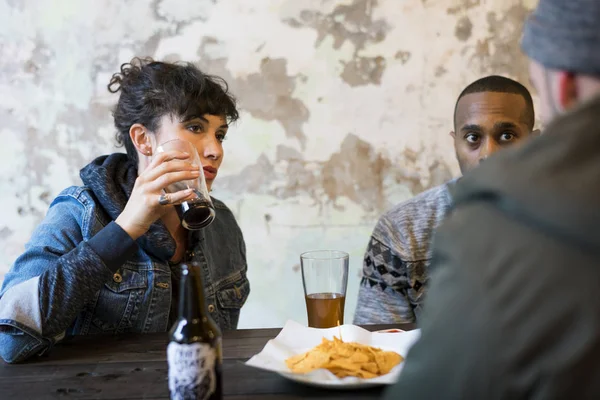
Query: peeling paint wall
x,y
347,105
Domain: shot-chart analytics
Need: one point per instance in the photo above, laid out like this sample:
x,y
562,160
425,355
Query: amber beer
x,y
194,352
325,279
325,310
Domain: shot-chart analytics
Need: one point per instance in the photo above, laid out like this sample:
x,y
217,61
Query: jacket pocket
x,y
126,279
231,298
119,301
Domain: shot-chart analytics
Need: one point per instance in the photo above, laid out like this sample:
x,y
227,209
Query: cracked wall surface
x,y
346,108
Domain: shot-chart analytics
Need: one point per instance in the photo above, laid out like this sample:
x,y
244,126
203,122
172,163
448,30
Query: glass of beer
x,y
199,212
325,278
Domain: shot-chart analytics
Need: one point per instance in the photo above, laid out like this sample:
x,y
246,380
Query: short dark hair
x,y
500,84
151,89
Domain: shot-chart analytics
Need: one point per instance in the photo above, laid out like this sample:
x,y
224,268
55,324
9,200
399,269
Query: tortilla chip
x,y
345,359
370,367
386,360
359,358
366,374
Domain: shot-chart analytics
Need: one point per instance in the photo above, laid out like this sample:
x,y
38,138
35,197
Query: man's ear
x,y
567,90
536,132
141,139
453,134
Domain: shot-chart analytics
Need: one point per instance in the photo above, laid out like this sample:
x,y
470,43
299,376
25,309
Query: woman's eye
x,y
194,128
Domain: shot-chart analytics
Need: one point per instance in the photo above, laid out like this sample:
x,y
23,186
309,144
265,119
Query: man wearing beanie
x,y
513,311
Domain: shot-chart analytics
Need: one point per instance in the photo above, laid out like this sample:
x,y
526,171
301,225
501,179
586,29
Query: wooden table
x,y
135,367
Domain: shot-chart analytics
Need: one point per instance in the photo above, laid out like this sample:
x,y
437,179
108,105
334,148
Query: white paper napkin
x,y
296,338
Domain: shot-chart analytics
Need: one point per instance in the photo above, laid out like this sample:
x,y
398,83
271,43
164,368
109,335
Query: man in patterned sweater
x,y
491,113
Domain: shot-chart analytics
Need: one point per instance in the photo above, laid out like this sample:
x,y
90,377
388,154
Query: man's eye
x,y
507,136
472,138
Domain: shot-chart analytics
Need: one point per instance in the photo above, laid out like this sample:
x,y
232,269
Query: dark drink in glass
x,y
196,214
199,212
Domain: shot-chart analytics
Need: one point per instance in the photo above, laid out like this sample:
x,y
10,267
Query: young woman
x,y
106,257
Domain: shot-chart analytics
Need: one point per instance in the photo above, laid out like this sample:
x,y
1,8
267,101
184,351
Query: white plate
x,y
341,384
295,338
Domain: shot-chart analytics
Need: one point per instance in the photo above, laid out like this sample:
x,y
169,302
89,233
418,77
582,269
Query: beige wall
x,y
346,105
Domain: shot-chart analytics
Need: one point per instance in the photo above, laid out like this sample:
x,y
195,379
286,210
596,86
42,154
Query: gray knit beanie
x,y
565,35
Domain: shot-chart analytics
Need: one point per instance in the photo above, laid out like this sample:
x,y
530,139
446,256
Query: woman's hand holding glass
x,y
148,202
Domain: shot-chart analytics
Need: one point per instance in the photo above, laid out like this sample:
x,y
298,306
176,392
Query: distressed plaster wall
x,y
347,106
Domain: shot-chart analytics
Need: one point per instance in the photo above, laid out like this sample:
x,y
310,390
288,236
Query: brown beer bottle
x,y
194,351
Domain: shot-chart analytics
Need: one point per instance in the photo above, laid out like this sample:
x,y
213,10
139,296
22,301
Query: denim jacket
x,y
82,274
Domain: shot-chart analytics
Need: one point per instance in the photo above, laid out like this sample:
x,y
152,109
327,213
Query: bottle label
x,y
191,371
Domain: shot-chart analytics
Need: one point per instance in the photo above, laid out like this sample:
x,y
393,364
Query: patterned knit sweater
x,y
395,269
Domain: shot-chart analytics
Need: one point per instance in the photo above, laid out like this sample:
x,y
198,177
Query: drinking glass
x,y
198,212
325,278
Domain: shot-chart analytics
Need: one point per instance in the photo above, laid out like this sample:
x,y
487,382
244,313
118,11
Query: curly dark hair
x,y
151,89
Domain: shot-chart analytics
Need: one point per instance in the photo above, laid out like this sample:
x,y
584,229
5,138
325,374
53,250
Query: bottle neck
x,y
192,303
